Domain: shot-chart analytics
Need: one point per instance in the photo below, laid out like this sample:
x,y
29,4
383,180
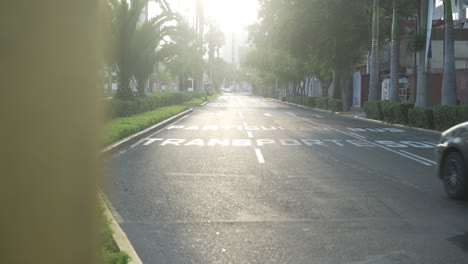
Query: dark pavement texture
x,y
331,190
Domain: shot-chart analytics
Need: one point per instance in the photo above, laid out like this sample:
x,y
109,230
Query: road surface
x,y
247,179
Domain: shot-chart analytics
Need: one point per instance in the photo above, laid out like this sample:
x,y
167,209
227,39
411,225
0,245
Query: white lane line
x,y
259,156
267,114
245,124
364,140
241,115
319,116
356,135
419,157
250,134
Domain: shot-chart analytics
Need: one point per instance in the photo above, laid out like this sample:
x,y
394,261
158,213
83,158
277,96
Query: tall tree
x,y
395,56
146,48
124,27
421,93
449,82
374,87
183,55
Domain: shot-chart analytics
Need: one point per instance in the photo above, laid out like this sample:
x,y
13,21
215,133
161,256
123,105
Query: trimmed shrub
x,y
446,116
310,101
322,102
373,110
401,112
395,112
422,117
388,111
123,108
335,105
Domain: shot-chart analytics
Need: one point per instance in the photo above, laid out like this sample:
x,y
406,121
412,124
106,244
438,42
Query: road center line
x,y
259,156
241,116
364,140
267,114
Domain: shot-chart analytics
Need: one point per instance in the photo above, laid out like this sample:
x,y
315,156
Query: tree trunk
x,y
336,93
124,91
374,87
343,80
421,95
141,88
449,82
395,60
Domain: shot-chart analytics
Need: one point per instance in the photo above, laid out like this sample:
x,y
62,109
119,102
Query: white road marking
x,y
259,156
319,116
363,140
241,116
267,114
418,157
357,135
151,140
250,134
245,124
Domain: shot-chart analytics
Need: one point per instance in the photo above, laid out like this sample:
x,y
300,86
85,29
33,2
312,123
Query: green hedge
x,y
395,112
373,110
422,117
335,105
122,108
322,102
122,127
446,116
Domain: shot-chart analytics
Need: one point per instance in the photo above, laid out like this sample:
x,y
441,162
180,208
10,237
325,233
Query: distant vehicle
x,y
452,161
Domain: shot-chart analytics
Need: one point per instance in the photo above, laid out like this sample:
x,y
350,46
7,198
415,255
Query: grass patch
x,y
110,253
195,102
201,100
122,127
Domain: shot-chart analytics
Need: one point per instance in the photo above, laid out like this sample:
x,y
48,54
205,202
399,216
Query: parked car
x,y
452,161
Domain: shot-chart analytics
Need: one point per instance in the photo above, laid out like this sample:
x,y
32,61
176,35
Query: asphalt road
x,y
247,179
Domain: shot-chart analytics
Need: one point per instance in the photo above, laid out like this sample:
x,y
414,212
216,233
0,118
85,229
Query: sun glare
x,y
232,14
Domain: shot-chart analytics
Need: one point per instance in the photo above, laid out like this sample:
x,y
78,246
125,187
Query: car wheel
x,y
454,175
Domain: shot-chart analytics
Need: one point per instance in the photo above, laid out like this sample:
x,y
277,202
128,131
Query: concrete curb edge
x,y
396,125
362,118
119,236
205,103
132,138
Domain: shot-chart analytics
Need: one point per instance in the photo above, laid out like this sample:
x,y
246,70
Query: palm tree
x,y
183,55
449,81
395,60
374,67
215,39
124,27
145,48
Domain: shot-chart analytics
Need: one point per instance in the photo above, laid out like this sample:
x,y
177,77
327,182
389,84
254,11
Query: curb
x,y
119,236
396,125
361,118
205,103
130,139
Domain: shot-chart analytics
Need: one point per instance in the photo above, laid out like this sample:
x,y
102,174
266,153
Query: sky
x,y
231,15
